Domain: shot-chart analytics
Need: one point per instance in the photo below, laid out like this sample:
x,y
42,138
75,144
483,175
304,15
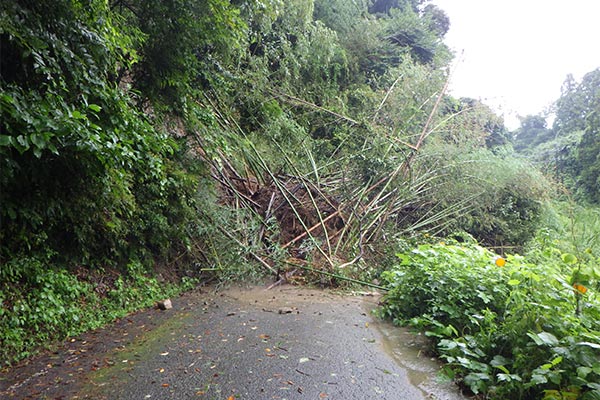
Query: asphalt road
x,y
283,343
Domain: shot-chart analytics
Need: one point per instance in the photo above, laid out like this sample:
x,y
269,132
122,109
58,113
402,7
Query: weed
x,y
507,328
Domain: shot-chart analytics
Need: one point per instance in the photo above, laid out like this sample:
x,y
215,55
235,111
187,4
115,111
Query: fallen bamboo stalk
x,y
306,232
425,132
309,188
266,218
386,97
259,259
343,278
316,107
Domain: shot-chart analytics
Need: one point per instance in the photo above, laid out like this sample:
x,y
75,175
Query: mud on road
x,y
253,343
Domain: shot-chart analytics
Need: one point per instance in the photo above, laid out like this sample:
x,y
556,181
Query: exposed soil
x,y
303,212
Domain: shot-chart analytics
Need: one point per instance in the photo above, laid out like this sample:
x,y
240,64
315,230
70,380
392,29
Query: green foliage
x,y
387,6
577,110
506,330
407,30
41,304
588,162
498,209
578,101
340,15
532,132
470,123
571,228
79,163
185,43
87,180
379,36
569,150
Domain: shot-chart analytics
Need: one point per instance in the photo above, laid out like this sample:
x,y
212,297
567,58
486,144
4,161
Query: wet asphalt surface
x,y
283,343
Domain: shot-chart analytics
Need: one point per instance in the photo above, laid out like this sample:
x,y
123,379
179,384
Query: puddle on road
x,y
408,350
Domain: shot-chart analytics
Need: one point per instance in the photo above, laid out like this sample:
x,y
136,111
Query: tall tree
x,y
385,6
578,111
576,102
438,20
588,159
532,132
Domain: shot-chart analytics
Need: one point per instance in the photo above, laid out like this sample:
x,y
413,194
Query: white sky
x,y
514,55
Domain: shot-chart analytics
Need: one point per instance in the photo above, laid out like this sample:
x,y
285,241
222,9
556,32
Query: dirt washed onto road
x,y
253,343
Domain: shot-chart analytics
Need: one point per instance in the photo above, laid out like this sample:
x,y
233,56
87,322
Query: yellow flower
x,y
501,262
580,288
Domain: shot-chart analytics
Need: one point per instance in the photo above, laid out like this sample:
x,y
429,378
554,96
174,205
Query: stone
x,y
165,304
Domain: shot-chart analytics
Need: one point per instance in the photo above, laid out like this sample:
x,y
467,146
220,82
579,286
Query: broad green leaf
x,y
447,344
552,363
543,338
557,360
52,148
514,282
499,360
37,140
476,381
509,377
535,338
22,143
538,379
5,140
78,115
582,372
548,338
593,395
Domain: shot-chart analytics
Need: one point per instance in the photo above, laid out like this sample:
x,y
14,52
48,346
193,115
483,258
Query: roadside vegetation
x,y
514,327
150,146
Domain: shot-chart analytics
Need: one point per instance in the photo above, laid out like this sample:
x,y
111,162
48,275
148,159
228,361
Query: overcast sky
x,y
514,55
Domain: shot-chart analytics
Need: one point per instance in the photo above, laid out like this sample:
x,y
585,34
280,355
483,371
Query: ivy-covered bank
x,y
47,304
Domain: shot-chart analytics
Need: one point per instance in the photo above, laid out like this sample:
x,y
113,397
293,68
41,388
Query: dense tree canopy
x,y
570,147
532,132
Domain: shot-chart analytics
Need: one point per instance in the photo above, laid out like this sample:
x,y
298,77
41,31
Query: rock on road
x,y
283,343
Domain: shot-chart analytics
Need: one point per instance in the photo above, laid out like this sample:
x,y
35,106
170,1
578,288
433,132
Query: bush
x,y
41,303
500,198
507,328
